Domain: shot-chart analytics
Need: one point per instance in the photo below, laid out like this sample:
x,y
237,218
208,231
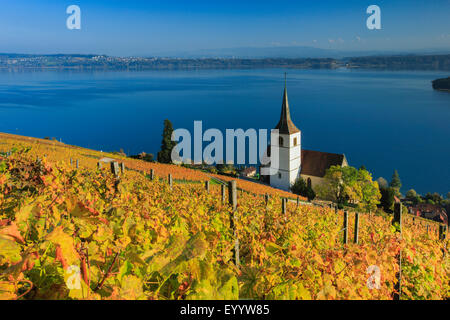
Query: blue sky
x,y
136,27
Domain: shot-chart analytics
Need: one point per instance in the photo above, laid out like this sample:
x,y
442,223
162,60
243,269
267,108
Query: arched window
x,y
280,141
295,142
279,175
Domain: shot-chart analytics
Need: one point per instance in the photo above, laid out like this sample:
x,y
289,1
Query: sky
x,y
145,28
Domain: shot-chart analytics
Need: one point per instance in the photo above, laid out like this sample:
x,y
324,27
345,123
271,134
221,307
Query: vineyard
x,y
55,151
84,233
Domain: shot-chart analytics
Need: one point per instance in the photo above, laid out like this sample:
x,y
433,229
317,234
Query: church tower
x,y
288,147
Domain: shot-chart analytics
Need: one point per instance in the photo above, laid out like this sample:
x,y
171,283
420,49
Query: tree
x,y
143,156
165,155
227,168
300,187
434,198
417,199
348,184
369,190
437,198
387,198
382,182
411,194
338,184
395,182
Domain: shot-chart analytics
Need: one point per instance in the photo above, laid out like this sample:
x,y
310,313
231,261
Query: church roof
x,y
285,125
316,163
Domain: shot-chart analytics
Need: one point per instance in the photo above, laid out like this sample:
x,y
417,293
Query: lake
x,y
384,120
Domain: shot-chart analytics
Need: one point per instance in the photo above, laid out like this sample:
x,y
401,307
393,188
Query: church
x,y
294,161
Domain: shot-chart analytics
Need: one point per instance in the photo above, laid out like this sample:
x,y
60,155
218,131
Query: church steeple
x,y
285,125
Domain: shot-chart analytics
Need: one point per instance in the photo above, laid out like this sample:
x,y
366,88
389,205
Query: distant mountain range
x,y
291,52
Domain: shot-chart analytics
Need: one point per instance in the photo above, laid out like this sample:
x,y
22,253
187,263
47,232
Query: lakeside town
x,y
21,62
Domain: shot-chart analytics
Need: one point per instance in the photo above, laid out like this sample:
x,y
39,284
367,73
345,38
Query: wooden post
x,y
336,211
442,232
122,167
223,193
236,250
232,199
345,227
298,201
170,181
115,172
398,216
152,174
398,222
207,186
115,168
232,195
266,198
355,238
99,165
283,205
71,162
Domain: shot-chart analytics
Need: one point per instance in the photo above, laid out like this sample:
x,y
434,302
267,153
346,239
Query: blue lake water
x,y
381,119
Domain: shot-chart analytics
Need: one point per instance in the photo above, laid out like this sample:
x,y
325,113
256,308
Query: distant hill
x,y
290,52
257,53
441,84
401,62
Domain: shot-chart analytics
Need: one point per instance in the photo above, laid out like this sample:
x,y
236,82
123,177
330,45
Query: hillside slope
x,y
87,158
68,233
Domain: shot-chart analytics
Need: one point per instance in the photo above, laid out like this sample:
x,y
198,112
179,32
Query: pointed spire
x,y
285,125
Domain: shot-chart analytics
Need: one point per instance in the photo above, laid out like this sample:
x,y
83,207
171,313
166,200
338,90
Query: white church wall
x,y
295,151
282,151
289,161
292,138
280,182
293,175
